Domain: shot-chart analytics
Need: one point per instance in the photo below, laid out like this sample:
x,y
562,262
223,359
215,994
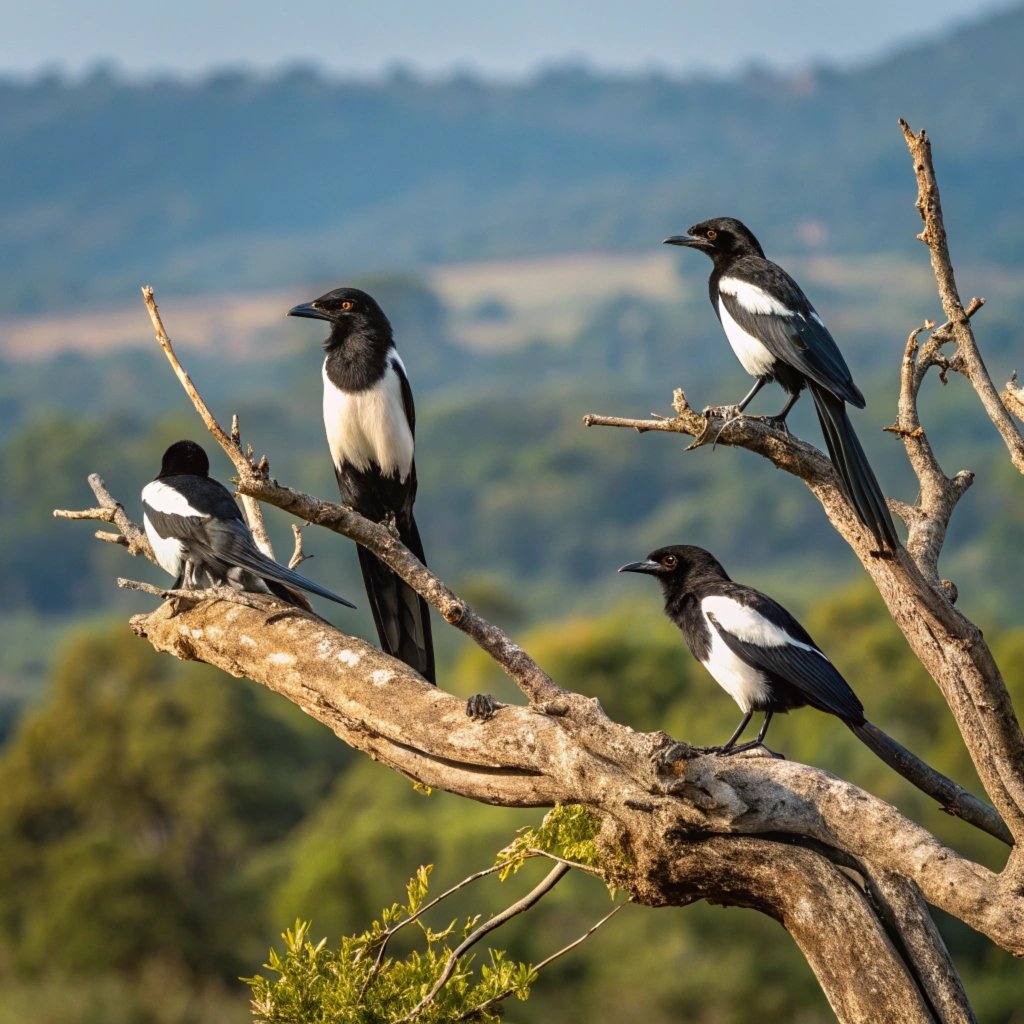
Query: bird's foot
x,y
482,707
753,747
775,422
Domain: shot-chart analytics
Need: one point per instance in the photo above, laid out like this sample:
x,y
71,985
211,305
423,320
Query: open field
x,y
547,297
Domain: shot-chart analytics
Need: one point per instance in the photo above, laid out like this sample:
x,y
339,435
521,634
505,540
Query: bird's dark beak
x,y
310,311
646,566
690,241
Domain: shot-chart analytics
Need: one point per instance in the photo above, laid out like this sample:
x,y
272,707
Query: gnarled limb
x,y
526,756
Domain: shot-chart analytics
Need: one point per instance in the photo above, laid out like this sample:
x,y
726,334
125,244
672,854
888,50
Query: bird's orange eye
x,y
346,305
712,234
669,561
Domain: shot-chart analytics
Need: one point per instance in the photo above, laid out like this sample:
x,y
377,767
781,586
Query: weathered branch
x,y
528,757
112,511
934,236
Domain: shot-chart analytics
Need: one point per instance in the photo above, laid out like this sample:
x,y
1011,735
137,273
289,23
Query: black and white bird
x,y
766,661
199,536
371,428
777,335
755,650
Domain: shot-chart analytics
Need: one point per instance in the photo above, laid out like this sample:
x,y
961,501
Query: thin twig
x,y
530,899
934,236
586,868
229,594
298,555
480,1007
111,511
375,969
233,451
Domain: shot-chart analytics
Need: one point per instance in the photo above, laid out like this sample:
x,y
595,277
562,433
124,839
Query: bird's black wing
x,y
229,542
769,305
407,402
762,633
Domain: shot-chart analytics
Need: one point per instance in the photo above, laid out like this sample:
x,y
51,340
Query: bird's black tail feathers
x,y
951,797
280,580
855,473
401,616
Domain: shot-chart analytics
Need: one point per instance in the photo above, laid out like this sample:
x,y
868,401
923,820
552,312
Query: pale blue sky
x,y
504,39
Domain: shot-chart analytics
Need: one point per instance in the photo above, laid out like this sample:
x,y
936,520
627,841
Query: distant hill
x,y
255,181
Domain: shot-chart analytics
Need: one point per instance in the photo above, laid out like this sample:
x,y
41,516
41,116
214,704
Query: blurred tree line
x,y
223,182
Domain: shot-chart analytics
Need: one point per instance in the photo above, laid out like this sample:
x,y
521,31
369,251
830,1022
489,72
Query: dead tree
x,y
848,876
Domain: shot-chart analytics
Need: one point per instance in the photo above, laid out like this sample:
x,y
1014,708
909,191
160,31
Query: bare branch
x,y
913,931
261,602
232,449
112,511
934,236
298,555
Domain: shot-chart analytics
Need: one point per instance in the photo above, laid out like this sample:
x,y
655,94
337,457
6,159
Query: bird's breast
x,y
368,429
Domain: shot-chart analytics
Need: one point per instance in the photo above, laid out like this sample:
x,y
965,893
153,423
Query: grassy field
x,y
546,298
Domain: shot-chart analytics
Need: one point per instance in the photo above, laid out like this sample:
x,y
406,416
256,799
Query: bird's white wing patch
x,y
169,551
369,427
166,499
750,626
754,357
752,298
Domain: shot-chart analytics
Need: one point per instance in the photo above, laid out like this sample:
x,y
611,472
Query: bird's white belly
x,y
366,428
747,686
752,354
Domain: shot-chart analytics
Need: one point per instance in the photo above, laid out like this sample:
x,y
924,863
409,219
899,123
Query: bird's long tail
x,y
401,616
281,580
951,797
855,473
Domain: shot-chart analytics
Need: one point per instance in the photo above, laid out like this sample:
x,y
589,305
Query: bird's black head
x,y
721,238
679,567
184,457
350,312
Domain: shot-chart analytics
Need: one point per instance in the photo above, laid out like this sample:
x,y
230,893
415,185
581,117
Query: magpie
x,y
777,335
370,421
766,661
755,650
199,537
